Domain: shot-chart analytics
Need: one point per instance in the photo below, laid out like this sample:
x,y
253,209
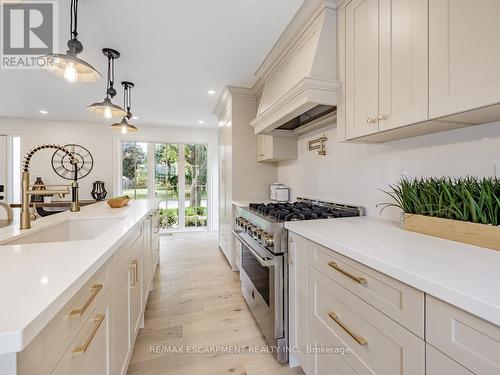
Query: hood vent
x,y
299,75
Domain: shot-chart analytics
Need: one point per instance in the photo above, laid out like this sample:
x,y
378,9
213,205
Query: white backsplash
x,y
354,173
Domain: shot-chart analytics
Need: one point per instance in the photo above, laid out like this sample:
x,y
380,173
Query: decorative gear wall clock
x,y
62,164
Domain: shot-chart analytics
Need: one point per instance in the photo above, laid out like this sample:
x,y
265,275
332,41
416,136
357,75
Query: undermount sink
x,y
66,231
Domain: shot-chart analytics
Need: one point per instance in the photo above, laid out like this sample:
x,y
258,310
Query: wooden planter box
x,y
461,231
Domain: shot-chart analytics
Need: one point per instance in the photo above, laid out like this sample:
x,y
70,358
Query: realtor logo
x,y
28,31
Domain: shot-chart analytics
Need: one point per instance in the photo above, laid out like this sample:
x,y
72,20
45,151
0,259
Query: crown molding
x,y
230,92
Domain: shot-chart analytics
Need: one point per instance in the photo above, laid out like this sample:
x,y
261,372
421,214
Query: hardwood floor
x,y
197,305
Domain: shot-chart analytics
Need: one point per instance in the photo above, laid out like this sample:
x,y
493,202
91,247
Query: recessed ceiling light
x,y
201,122
135,117
43,112
211,92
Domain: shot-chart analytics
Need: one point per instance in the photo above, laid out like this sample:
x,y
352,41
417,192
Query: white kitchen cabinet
x,y
147,256
386,65
297,272
403,56
465,338
415,67
241,176
120,317
361,64
89,353
135,290
377,344
436,363
273,148
463,55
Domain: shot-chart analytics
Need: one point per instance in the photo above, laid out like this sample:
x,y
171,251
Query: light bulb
x,y
108,113
124,129
70,73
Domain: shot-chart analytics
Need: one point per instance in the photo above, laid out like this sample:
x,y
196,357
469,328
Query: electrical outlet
x,y
403,174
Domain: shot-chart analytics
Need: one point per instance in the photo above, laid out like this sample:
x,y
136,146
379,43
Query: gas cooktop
x,y
304,209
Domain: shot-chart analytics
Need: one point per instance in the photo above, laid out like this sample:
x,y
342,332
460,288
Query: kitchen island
x,y
57,275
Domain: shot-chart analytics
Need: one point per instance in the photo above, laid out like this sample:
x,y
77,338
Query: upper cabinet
x,y
386,65
414,67
464,55
272,149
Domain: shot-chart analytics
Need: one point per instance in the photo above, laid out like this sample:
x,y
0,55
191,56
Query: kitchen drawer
x,y
384,346
331,360
89,351
467,339
398,301
439,364
41,356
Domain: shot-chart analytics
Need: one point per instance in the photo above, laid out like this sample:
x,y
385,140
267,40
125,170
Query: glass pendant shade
x,y
107,109
124,127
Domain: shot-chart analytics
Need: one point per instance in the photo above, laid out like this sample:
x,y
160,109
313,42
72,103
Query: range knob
x,y
267,240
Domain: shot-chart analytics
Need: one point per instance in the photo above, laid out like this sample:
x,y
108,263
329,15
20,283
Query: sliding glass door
x,y
135,169
195,191
179,178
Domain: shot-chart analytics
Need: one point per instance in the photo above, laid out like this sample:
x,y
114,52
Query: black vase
x,y
98,191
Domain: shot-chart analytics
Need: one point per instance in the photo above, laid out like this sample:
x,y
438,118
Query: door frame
x,y
10,173
117,171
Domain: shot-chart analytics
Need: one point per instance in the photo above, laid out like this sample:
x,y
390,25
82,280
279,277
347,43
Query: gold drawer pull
x,y
360,280
360,340
82,349
95,291
135,279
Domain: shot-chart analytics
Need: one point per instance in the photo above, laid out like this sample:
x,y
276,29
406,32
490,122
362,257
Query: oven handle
x,y
263,262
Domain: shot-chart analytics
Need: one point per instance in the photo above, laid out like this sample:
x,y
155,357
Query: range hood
x,y
299,75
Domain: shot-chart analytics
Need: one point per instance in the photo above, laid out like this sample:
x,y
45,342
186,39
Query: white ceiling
x,y
174,50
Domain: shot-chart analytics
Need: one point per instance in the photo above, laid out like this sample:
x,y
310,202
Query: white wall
x,y
353,173
102,143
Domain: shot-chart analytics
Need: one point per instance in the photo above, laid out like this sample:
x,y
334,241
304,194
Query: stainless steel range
x,y
264,257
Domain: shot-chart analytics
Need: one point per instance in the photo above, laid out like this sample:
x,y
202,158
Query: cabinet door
x,y
89,351
464,57
264,147
437,363
361,68
403,53
135,296
298,299
120,326
147,254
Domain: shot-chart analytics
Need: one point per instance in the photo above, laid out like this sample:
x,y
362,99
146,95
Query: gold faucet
x,y
7,208
26,215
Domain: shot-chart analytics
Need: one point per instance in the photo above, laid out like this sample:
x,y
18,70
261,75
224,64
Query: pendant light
x,y
68,65
123,126
106,108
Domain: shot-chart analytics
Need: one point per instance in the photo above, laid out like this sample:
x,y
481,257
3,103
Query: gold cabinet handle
x,y
95,291
370,120
359,339
359,280
381,116
134,266
98,321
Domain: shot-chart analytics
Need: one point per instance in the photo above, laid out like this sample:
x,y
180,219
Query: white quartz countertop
x,y
37,280
463,275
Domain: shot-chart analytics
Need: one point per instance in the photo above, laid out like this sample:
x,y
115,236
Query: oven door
x,y
262,285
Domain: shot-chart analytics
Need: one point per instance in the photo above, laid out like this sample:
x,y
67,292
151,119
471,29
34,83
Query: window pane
x,y
135,169
196,185
167,184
